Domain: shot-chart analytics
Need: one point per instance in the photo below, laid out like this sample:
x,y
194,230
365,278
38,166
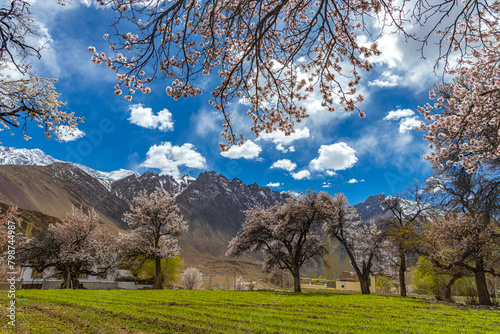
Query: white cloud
x,y
355,181
303,174
408,124
281,148
402,60
387,79
65,133
284,149
392,54
337,156
207,122
249,150
398,113
326,185
278,137
144,117
169,158
284,164
273,184
331,173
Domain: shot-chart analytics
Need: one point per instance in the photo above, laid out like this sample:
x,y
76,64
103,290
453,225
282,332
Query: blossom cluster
x,y
34,98
460,238
463,124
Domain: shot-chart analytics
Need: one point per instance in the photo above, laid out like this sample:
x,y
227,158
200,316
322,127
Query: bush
x,y
384,284
169,270
192,279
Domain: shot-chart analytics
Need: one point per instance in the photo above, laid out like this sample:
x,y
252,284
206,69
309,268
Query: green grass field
x,y
149,311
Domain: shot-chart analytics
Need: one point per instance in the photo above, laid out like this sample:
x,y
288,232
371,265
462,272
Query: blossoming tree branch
x,y
271,55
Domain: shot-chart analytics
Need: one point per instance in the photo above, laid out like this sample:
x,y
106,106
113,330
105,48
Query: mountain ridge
x,y
36,157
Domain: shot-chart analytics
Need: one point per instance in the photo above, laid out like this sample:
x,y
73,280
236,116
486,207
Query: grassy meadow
x,y
181,311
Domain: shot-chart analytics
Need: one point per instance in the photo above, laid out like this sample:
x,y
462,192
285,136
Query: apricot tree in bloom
x,y
467,241
79,245
30,97
401,222
363,242
192,278
156,221
271,55
470,240
33,98
463,125
288,234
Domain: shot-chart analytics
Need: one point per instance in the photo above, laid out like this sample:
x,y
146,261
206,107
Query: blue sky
x,y
334,152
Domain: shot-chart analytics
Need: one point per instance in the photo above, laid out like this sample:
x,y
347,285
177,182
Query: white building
x,y
31,279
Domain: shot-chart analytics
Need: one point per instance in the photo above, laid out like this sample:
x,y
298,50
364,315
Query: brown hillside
x,y
54,189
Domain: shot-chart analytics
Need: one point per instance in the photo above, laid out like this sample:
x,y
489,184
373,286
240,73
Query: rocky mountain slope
x,y
212,205
371,207
53,189
35,157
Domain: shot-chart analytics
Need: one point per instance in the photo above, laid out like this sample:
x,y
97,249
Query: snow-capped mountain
x,y
110,176
35,157
23,156
291,193
185,181
372,207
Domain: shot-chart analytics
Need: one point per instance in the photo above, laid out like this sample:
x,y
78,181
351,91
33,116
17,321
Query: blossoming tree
x,y
156,221
465,241
364,242
192,278
402,221
288,235
462,123
271,54
468,236
79,245
28,97
463,126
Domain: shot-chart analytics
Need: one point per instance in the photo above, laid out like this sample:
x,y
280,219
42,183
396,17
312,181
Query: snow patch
x,y
23,156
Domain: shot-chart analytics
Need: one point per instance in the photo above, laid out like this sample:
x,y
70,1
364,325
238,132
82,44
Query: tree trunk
x,y
449,285
67,278
364,274
364,281
482,288
296,280
402,271
158,275
66,284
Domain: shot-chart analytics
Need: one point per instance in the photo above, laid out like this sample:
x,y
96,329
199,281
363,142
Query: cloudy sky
x,y
334,152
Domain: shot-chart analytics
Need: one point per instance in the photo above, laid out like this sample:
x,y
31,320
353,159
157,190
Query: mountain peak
x,y
371,207
36,157
23,156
